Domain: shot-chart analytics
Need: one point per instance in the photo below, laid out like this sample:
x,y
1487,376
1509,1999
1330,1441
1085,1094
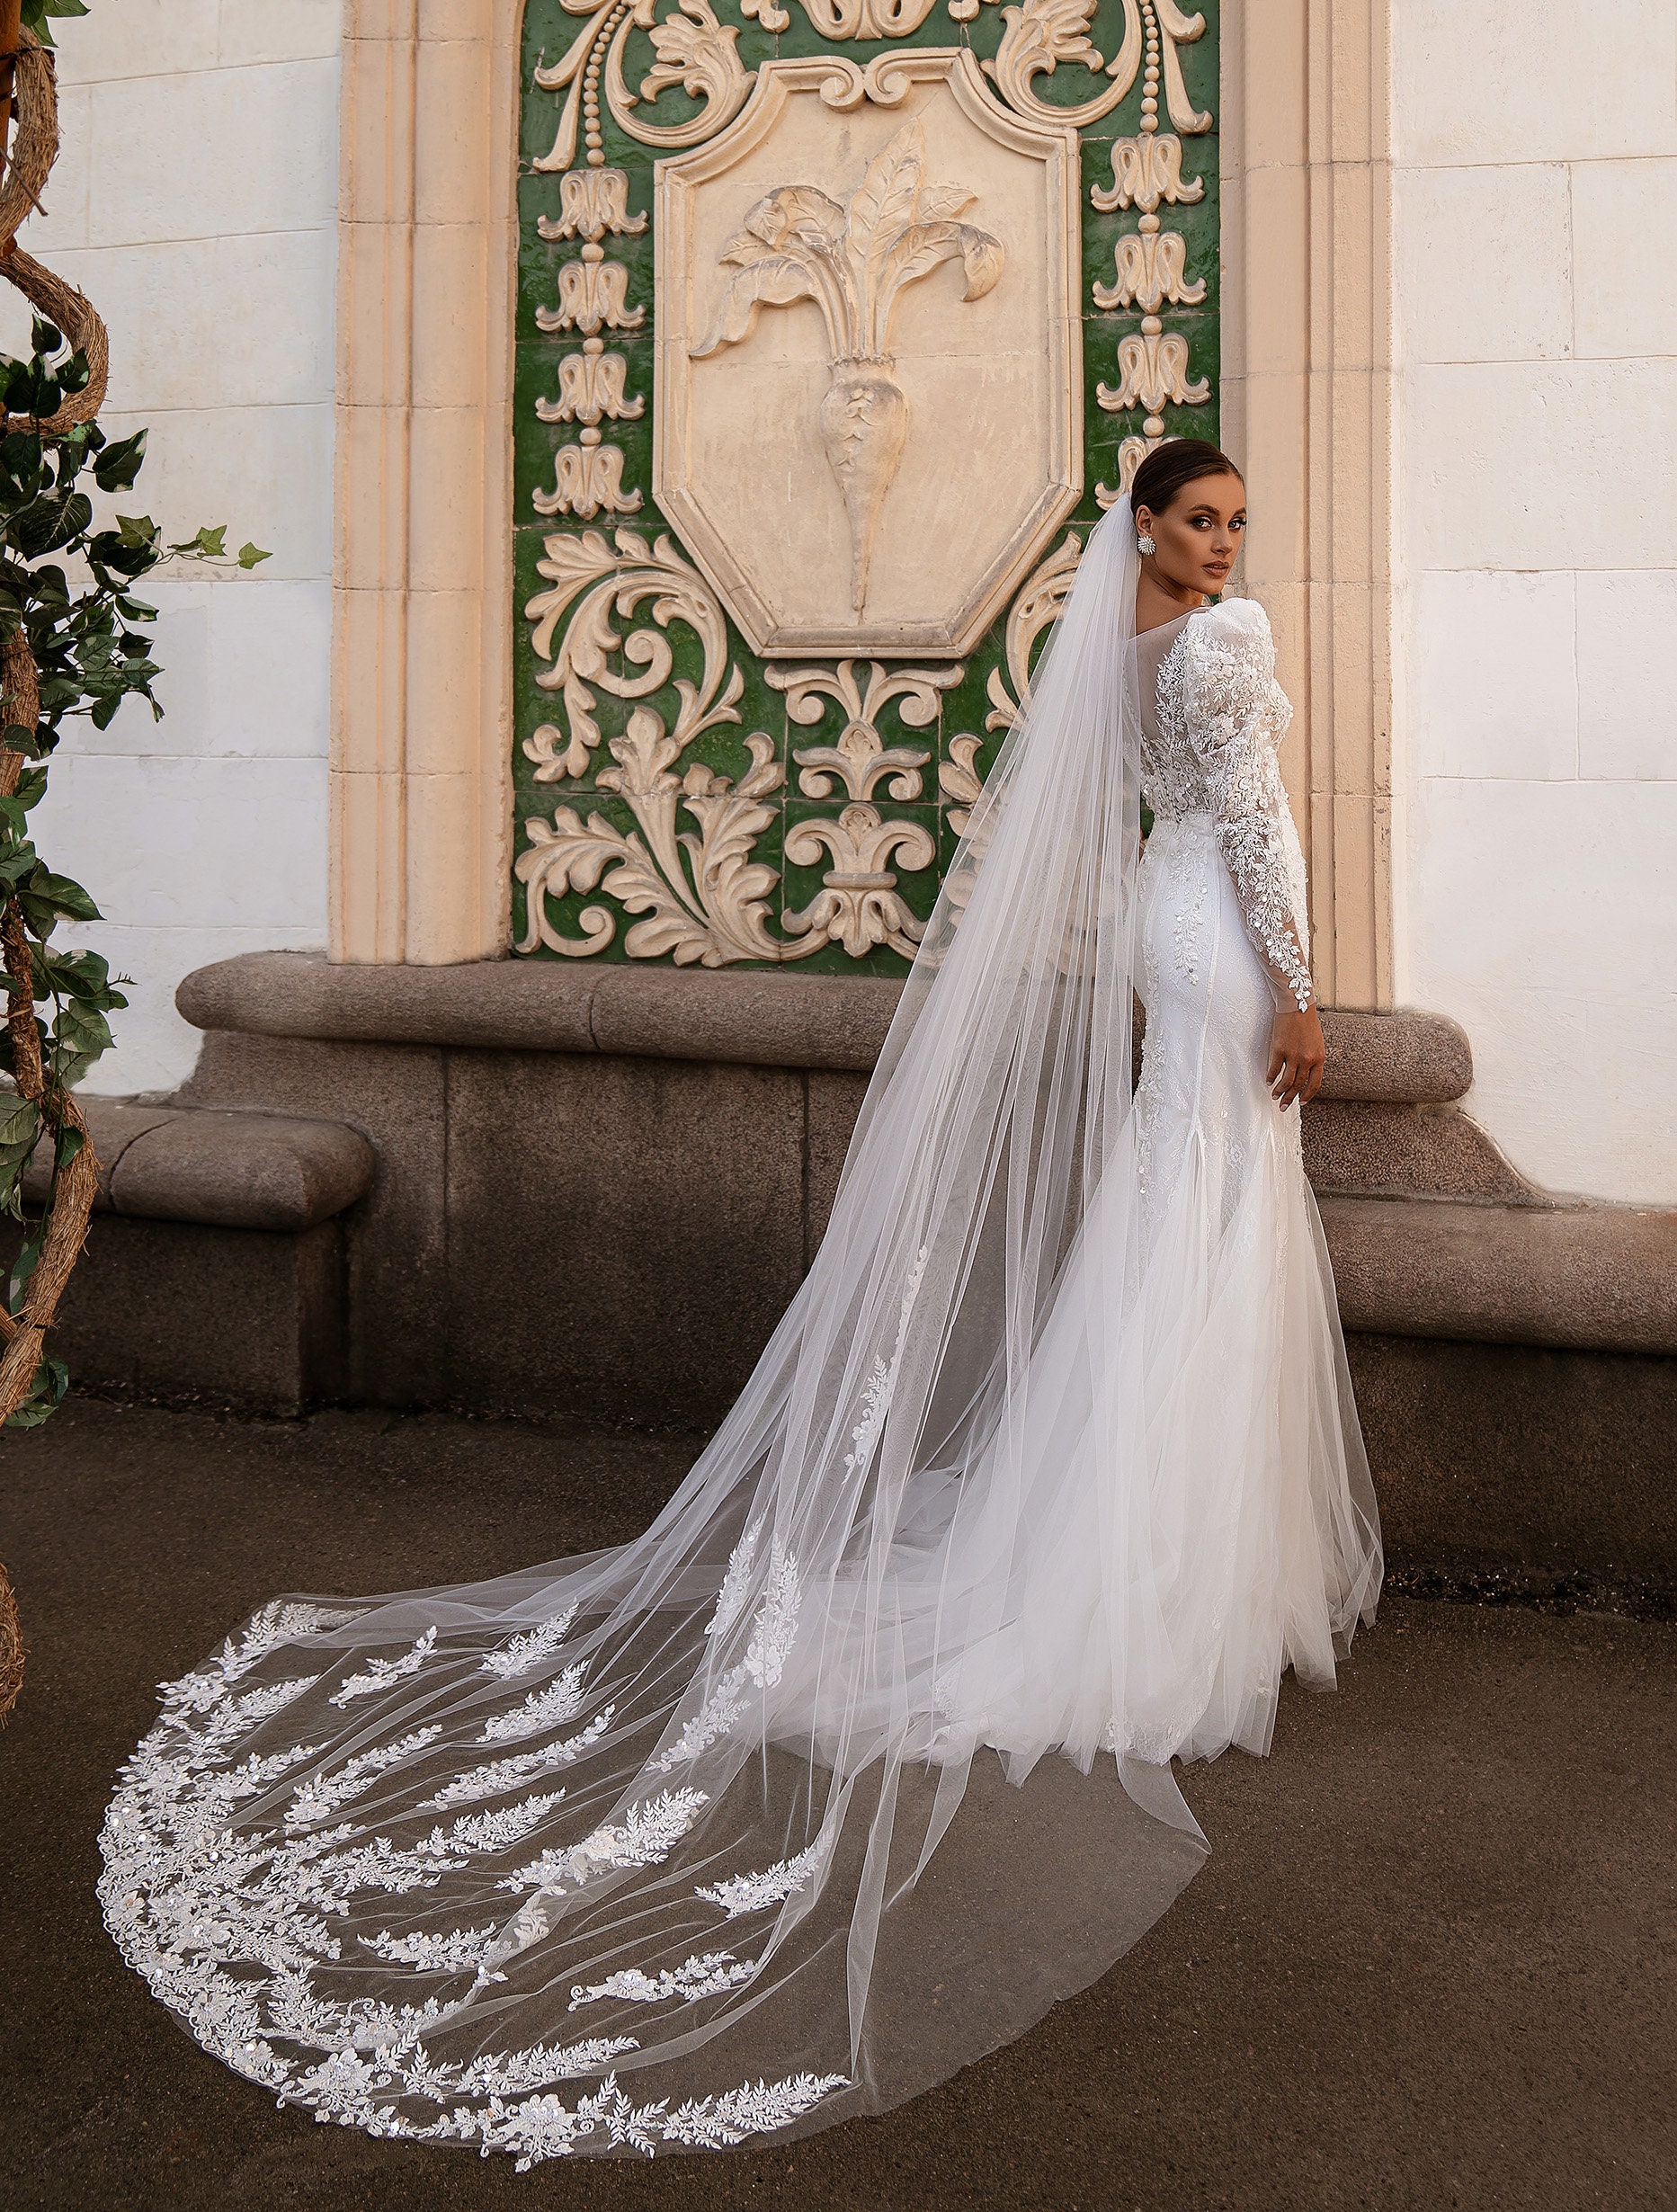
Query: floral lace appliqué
x,y
707,1976
382,1673
1220,716
229,1928
755,1893
522,1653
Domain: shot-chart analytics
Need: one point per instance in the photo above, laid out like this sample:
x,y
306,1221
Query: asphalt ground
x,y
1429,1965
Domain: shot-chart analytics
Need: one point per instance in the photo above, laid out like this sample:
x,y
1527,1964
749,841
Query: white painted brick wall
x,y
1536,768
195,203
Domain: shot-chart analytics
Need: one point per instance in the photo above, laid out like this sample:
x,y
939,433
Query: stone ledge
x,y
223,1170
754,1016
1580,1277
1374,1148
751,1016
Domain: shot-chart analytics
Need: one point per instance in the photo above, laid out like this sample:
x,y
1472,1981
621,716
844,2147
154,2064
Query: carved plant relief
x,y
1131,452
875,19
1146,171
1152,269
1037,604
592,389
1151,262
859,905
860,758
1152,373
1041,34
591,202
801,464
703,897
700,895
587,480
1039,601
593,295
592,581
853,261
694,51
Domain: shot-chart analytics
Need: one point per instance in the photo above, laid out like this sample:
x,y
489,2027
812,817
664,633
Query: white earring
x,y
1144,546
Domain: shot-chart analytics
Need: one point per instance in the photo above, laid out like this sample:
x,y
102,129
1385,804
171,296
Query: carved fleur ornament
x,y
853,261
800,429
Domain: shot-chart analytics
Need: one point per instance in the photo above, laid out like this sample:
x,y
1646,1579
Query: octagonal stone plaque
x,y
869,362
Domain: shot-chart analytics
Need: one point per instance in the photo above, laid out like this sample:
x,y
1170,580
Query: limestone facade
x,y
195,201
1536,219
1447,364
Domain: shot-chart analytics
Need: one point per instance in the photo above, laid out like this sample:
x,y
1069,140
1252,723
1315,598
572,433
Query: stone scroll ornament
x,y
700,895
697,869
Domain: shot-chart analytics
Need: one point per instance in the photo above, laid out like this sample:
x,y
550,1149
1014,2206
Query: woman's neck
x,y
1159,600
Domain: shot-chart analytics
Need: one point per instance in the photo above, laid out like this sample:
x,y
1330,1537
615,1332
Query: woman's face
x,y
1198,534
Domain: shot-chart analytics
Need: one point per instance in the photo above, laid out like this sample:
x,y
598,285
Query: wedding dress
x,y
748,1825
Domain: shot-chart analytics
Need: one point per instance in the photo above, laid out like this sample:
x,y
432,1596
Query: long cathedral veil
x,y
748,1825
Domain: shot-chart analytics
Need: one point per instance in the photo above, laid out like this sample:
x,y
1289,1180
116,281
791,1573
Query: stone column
x,y
1306,406
421,713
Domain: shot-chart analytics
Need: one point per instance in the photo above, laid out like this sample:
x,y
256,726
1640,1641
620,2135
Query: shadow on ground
x,y
1429,1964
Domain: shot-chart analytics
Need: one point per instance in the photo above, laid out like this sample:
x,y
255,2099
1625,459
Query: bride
x,y
749,1826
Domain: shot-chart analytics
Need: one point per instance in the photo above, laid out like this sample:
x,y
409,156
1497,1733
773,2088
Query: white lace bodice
x,y
1210,726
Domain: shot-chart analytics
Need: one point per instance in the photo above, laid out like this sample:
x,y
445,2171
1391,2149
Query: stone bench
x,y
597,1187
215,1264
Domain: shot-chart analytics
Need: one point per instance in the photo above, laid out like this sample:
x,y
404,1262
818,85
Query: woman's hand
x,y
1298,1054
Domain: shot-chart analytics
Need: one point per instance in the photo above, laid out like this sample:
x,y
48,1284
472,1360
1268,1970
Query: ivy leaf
x,y
79,1039
23,1266
249,555
78,975
47,897
46,1394
118,466
138,530
36,12
211,544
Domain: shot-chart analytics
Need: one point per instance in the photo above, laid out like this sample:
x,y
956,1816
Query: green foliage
x,y
66,583
38,12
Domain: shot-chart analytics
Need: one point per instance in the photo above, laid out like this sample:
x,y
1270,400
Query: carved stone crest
x,y
918,246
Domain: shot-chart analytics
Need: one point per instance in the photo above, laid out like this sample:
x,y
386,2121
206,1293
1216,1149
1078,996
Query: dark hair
x,y
1177,461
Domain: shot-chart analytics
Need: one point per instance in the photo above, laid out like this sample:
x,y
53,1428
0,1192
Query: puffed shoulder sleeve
x,y
1236,714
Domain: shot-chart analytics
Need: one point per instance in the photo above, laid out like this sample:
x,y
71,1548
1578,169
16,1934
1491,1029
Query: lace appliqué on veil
x,y
755,1892
229,1928
775,1624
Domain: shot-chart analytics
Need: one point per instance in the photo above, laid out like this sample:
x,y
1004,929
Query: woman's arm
x,y
1235,713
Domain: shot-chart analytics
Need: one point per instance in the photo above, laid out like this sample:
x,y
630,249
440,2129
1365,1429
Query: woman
x,y
746,1826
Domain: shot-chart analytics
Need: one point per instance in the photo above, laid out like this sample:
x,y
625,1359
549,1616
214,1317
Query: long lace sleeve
x,y
1236,714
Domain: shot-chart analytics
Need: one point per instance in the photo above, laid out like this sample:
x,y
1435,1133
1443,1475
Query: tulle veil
x,y
748,1824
